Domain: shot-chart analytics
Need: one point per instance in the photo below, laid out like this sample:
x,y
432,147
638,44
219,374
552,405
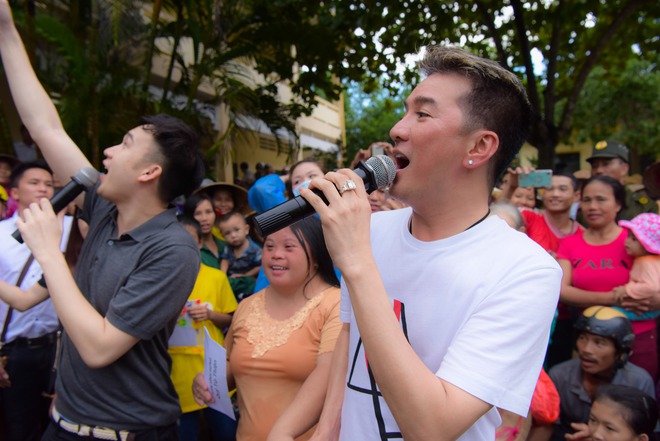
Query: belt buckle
x,y
93,432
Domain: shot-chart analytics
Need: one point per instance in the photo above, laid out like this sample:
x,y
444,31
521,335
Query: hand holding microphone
x,y
83,180
377,172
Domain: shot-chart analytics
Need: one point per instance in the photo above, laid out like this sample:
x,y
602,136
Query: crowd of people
x,y
419,311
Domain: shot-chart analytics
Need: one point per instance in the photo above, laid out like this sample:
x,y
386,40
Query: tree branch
x,y
487,17
521,28
550,100
591,60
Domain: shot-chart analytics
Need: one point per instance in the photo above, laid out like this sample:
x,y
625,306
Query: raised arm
x,y
34,105
513,174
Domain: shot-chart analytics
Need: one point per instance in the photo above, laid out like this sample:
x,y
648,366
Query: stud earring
x,y
470,162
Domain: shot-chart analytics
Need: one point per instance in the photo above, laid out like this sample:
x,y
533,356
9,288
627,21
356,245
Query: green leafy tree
x,y
622,105
370,116
95,59
80,63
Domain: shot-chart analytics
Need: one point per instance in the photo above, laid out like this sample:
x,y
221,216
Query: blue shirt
x,y
249,259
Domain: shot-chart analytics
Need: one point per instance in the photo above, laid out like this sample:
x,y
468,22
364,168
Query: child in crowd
x,y
210,306
643,242
620,413
241,259
524,198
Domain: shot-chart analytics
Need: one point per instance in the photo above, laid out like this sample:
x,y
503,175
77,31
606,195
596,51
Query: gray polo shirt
x,y
139,282
575,403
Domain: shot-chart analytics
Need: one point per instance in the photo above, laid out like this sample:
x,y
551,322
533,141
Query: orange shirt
x,y
271,359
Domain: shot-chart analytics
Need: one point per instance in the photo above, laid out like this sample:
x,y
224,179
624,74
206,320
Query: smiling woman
x,y
200,207
282,338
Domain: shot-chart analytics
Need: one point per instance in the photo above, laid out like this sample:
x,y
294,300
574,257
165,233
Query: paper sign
x,y
215,374
187,332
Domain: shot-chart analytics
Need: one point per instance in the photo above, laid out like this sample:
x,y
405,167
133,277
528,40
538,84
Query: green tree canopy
x,y
622,105
102,50
552,45
370,116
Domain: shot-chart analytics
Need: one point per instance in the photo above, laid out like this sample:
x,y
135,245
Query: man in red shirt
x,y
548,228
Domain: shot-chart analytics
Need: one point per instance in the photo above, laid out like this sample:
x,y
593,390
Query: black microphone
x,y
377,172
82,181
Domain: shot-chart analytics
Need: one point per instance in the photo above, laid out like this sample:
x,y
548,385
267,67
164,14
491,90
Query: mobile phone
x,y
537,178
377,150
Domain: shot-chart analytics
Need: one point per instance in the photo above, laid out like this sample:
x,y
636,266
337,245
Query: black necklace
x,y
473,225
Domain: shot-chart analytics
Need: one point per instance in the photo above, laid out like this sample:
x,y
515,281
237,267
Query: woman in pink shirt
x,y
595,262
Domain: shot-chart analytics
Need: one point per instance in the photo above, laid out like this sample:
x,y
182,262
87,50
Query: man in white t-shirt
x,y
447,312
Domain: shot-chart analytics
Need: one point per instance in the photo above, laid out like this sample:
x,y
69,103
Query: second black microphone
x,y
81,181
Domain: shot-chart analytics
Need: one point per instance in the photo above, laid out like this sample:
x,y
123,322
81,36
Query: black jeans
x,y
168,433
23,406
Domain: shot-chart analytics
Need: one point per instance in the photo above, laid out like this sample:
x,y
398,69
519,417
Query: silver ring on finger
x,y
348,186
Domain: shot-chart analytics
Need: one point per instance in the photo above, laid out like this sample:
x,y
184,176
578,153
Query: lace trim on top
x,y
266,333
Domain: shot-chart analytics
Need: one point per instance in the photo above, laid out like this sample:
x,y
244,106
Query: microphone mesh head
x,y
87,177
384,169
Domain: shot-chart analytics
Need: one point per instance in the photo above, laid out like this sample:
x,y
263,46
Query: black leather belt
x,y
33,343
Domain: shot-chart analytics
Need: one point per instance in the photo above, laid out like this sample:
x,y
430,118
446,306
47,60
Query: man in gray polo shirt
x,y
135,272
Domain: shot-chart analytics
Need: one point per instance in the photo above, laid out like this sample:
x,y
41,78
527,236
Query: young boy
x,y
241,258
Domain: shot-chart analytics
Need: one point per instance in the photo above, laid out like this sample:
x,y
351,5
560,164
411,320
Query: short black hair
x,y
225,217
571,176
639,410
193,201
497,100
310,236
187,220
18,171
180,157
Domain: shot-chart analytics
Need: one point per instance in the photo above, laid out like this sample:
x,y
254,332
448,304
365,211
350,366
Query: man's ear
x,y
150,172
484,145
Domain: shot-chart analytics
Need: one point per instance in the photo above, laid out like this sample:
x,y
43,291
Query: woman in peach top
x,y
281,339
